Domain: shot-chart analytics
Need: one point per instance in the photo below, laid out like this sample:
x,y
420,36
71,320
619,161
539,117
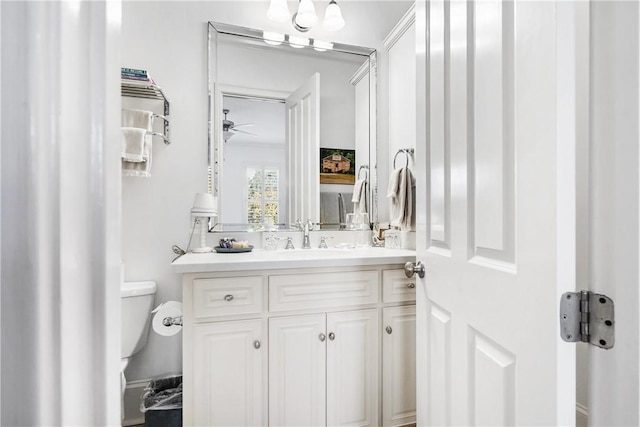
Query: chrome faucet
x,y
308,226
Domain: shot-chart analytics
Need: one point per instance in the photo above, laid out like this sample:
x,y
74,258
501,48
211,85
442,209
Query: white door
x,y
496,215
297,361
303,147
398,366
228,358
352,368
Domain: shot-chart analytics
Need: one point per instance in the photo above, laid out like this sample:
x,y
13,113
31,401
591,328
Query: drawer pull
x,y
228,297
322,337
256,344
411,285
332,336
388,329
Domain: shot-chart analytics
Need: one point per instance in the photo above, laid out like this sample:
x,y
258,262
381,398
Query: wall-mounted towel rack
x,y
366,170
147,90
408,152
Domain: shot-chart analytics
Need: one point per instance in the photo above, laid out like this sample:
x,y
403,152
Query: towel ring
x,y
366,168
407,152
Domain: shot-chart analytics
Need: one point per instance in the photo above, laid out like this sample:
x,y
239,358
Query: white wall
x,y
168,38
401,47
614,392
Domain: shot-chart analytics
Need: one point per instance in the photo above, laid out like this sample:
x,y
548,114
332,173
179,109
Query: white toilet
x,y
137,303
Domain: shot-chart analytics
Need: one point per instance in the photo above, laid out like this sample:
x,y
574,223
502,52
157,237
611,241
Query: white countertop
x,y
260,259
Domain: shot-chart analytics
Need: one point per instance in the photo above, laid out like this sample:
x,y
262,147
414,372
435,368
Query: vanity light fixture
x,y
333,20
278,11
305,17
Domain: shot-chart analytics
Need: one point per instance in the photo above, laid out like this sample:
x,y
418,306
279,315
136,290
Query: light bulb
x,y
278,11
298,42
333,20
306,16
322,46
273,38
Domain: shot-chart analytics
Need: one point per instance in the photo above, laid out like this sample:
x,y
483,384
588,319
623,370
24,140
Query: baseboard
x,y
132,399
582,416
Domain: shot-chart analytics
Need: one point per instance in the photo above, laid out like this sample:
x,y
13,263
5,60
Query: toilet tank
x,y
136,305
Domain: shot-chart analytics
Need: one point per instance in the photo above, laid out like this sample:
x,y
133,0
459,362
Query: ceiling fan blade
x,y
244,131
243,124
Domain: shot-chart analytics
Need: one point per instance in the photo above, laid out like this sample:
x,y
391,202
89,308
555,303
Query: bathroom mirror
x,y
277,104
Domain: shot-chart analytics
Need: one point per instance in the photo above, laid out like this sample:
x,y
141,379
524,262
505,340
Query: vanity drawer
x,y
322,290
227,296
396,287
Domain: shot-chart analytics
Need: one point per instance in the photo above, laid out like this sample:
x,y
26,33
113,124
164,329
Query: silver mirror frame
x,y
256,36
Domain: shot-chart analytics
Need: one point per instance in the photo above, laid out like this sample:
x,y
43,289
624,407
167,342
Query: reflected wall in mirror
x,y
272,108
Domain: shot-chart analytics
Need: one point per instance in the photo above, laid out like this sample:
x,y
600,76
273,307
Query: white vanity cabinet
x,y
323,369
299,346
399,366
228,373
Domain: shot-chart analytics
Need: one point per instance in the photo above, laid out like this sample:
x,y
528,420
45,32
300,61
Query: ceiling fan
x,y
229,127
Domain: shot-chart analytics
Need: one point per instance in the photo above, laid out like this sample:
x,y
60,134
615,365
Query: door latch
x,y
587,317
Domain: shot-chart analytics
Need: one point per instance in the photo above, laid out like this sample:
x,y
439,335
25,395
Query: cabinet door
x,y
228,384
297,358
352,368
399,366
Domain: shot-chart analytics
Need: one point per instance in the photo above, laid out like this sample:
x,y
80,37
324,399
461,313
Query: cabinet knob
x,y
332,336
388,329
256,344
322,337
411,285
228,297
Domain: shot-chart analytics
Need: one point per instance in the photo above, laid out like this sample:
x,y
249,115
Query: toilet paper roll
x,y
169,309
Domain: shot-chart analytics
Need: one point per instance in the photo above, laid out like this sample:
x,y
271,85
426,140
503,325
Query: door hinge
x,y
587,317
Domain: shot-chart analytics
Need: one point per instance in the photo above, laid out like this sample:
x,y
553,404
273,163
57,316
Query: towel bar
x,y
149,90
161,135
408,152
365,167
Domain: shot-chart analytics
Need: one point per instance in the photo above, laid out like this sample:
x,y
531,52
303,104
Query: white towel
x,y
141,169
133,141
402,194
136,119
359,198
136,160
394,181
357,190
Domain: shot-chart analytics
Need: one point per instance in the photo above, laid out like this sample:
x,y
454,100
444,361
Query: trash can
x,y
162,402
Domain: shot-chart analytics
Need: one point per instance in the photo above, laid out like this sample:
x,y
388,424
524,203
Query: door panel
x,y
297,360
352,368
440,365
303,146
230,394
487,307
398,366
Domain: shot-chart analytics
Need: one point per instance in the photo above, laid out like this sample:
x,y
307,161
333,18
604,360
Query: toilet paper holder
x,y
170,321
